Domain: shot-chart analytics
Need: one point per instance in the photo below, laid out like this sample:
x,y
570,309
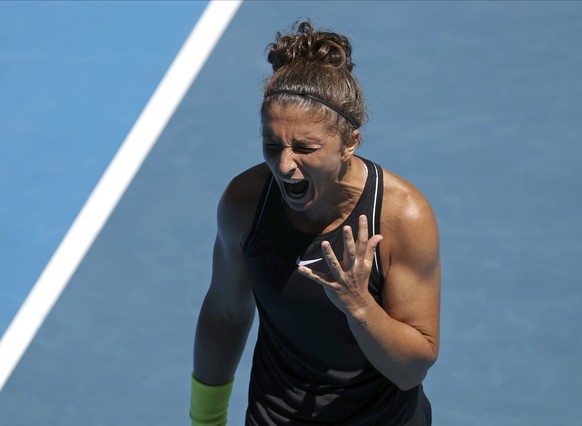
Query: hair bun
x,y
305,45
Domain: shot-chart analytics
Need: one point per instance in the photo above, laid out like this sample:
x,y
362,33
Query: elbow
x,y
414,375
240,315
409,382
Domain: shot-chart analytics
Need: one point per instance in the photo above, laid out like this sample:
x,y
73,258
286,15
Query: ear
x,y
354,143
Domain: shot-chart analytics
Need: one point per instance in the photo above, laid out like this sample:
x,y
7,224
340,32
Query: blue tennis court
x,y
122,122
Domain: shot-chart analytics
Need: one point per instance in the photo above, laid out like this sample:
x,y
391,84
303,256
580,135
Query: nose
x,y
287,164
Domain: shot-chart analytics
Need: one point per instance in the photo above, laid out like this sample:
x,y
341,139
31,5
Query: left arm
x,y
401,337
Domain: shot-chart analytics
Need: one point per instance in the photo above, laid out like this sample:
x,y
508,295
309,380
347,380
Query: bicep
x,y
230,290
230,293
225,318
412,288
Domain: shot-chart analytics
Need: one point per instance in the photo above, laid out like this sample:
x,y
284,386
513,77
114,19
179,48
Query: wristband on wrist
x,y
209,404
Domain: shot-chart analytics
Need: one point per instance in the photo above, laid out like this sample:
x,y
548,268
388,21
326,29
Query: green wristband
x,y
209,404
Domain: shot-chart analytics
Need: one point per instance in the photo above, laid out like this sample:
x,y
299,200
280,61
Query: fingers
x,y
349,248
362,243
334,265
366,248
358,253
371,249
318,277
356,249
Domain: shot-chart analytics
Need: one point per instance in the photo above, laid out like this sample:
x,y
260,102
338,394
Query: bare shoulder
x,y
408,223
239,202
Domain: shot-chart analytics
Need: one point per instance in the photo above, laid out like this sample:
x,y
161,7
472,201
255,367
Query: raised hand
x,y
346,283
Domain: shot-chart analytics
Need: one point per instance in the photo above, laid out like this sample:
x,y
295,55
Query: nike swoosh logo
x,y
307,262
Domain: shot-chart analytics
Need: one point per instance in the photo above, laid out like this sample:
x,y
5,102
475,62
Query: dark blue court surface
x,y
479,104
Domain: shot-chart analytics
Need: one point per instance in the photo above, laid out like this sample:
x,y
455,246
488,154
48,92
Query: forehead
x,y
285,118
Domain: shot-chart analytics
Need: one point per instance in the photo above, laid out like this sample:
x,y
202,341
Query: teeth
x,y
291,181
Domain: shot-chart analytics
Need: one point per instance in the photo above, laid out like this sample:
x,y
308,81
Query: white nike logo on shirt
x,y
307,262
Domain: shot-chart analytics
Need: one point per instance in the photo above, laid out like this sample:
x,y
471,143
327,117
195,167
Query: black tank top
x,y
307,366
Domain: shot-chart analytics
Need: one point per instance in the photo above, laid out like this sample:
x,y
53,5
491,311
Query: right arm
x,y
228,310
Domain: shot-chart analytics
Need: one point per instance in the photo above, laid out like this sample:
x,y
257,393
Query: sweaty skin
x,y
400,336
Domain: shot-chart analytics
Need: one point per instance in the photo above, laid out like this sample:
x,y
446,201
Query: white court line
x,y
112,185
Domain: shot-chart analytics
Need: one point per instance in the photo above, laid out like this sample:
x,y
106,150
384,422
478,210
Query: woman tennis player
x,y
339,257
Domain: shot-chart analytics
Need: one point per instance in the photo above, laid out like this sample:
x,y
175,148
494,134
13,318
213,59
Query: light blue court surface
x,y
477,103
74,77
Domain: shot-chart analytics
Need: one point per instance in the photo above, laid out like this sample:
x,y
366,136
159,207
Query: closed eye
x,y
304,149
297,147
272,146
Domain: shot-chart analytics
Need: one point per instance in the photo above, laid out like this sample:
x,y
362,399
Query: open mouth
x,y
296,189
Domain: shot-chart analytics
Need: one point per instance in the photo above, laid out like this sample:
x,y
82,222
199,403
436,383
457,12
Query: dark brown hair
x,y
318,64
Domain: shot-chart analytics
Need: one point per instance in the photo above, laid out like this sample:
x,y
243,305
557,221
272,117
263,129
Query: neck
x,y
337,206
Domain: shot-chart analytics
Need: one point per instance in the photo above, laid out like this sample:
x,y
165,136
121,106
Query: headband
x,y
316,99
